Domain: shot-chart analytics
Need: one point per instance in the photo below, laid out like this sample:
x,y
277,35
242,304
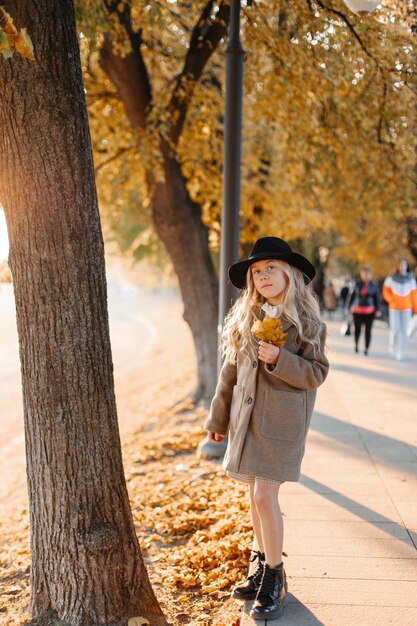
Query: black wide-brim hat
x,y
270,248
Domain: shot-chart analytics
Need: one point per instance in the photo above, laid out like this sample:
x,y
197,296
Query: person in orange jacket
x,y
400,292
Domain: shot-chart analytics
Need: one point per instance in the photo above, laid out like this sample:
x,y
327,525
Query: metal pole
x,y
229,250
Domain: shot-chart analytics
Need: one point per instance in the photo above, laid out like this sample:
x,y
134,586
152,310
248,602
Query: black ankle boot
x,y
249,589
270,597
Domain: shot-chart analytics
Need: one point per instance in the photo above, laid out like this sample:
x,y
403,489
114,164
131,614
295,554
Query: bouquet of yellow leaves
x,y
269,329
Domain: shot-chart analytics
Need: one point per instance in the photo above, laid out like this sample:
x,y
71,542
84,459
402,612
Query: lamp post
x,y
229,250
229,247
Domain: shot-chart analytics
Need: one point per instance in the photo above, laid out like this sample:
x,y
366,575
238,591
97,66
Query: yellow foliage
x,y
269,329
13,39
323,109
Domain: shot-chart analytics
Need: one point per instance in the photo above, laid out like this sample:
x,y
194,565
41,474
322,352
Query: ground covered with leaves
x,y
192,523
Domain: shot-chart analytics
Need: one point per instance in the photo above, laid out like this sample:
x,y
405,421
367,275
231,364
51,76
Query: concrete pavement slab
x,y
388,547
355,591
378,503
346,484
402,488
357,488
407,511
296,614
413,535
351,511
349,530
388,451
350,567
401,469
324,468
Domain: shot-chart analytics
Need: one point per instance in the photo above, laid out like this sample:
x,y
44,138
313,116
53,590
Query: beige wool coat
x,y
266,410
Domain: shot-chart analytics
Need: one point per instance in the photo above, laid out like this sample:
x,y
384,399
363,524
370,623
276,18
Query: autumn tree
x,y
328,97
86,562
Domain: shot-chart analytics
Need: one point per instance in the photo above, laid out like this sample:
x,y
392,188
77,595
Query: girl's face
x,y
269,279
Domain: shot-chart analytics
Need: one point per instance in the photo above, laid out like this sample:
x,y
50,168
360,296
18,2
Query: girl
x,y
265,397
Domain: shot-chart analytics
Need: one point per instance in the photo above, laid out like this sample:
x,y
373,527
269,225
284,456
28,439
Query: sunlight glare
x,y
4,240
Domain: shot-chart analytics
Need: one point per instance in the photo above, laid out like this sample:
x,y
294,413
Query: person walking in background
x,y
344,294
400,292
364,304
265,397
330,299
318,288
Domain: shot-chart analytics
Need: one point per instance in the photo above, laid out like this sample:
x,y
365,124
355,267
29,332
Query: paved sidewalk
x,y
351,522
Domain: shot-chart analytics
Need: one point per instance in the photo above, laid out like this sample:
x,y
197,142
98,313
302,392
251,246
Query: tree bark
x,y
86,562
177,221
176,218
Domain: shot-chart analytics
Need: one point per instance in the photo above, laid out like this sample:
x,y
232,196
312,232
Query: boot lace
x,y
257,575
268,584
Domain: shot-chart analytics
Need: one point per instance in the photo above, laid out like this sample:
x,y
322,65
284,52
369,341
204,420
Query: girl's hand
x,y
215,437
268,352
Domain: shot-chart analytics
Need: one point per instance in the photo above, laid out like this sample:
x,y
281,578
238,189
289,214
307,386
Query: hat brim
x,y
237,271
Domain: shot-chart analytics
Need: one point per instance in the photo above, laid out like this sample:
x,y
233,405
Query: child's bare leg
x,y
265,497
258,543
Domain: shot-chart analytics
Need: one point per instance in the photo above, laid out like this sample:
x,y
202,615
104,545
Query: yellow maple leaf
x,y
24,45
270,330
14,39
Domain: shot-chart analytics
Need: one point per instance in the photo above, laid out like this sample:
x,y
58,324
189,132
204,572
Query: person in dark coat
x,y
365,305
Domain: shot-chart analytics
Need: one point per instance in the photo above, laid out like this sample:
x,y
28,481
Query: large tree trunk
x,y
177,220
86,562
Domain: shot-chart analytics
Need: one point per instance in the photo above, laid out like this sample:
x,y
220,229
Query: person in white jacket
x,y
400,292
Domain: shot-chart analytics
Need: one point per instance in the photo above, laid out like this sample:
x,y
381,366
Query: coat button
x,y
249,400
255,364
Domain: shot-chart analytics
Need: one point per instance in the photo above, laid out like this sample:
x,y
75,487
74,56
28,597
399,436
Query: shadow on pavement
x,y
360,510
401,378
382,448
294,612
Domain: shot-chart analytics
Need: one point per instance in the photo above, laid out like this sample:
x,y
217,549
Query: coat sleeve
x,y
386,290
377,298
306,371
414,296
219,415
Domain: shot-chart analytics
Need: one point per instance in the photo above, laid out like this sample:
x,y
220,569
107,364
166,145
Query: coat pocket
x,y
236,405
284,416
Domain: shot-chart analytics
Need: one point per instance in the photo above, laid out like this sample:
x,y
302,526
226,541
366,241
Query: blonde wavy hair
x,y
300,307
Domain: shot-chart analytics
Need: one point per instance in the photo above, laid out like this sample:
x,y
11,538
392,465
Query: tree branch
x,y
350,26
92,97
205,37
128,74
112,158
